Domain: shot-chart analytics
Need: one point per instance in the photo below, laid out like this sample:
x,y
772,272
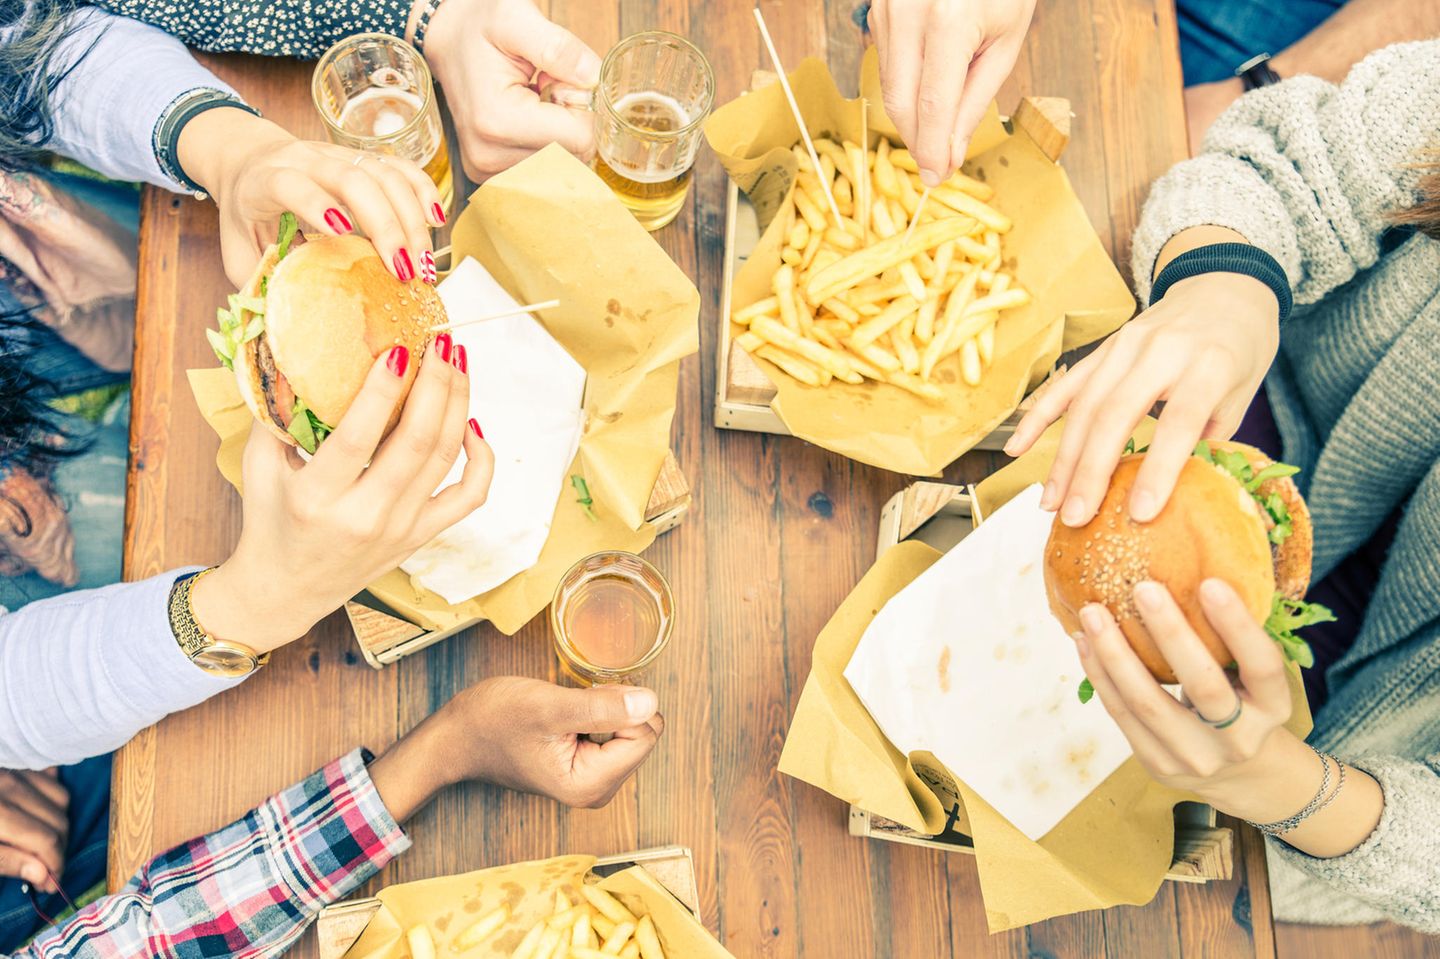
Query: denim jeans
x,y
89,787
1216,36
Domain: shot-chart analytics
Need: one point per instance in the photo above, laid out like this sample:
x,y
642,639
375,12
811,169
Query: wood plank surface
x,y
778,533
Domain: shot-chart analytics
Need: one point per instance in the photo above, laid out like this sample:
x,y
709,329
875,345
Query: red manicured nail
x,y
403,267
439,213
336,221
427,267
442,346
462,362
399,360
475,428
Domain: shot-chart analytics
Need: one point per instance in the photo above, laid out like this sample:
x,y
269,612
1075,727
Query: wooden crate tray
x,y
384,636
340,925
940,515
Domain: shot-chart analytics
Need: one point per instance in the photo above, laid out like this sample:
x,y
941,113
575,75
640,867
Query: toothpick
x,y
795,109
513,311
916,218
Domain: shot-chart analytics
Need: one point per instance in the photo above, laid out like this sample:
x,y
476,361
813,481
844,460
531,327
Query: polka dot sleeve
x,y
276,28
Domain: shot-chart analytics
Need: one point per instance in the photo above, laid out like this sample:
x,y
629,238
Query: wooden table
x,y
779,533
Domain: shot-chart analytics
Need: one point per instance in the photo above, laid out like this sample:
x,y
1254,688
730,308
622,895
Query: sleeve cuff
x,y
331,832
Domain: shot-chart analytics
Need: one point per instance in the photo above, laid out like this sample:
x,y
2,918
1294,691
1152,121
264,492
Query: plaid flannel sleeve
x,y
249,889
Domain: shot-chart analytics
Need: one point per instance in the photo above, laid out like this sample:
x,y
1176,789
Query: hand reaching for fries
x,y
866,298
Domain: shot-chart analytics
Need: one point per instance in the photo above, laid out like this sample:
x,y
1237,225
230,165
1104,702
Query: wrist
x,y
235,604
1271,786
210,151
409,774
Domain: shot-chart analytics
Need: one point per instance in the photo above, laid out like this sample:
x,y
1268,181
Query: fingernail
x,y
1093,620
399,360
1148,596
1074,513
439,213
1142,506
930,178
461,361
403,267
427,266
475,428
1011,445
640,704
336,221
1082,645
1049,497
1214,591
442,346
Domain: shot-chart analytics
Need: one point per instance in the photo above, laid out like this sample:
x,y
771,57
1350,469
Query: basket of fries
x,y
896,325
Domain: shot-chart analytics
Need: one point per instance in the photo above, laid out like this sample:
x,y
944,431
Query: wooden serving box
x,y
340,925
384,636
742,390
940,515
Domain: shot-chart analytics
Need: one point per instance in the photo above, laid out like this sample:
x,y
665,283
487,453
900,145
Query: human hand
x,y
33,826
527,735
493,57
941,63
1203,349
316,533
1204,102
256,171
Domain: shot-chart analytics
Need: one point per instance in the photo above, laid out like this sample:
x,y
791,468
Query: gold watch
x,y
218,657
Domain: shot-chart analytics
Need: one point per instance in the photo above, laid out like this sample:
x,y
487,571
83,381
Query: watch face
x,y
224,661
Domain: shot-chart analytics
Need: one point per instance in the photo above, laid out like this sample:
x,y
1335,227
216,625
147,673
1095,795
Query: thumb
x,y
600,709
547,46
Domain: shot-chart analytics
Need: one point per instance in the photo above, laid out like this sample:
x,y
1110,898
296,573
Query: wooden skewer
x,y
513,311
864,187
916,218
795,109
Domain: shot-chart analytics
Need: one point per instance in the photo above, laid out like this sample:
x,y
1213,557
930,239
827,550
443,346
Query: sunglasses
x,y
29,891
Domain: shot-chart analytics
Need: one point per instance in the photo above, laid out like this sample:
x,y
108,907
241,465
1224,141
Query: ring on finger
x,y
1228,720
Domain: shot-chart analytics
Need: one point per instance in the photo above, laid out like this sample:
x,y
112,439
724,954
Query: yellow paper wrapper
x,y
451,904
1113,849
549,229
1077,294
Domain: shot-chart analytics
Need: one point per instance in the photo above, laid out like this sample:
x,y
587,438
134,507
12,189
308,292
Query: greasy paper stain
x,y
943,668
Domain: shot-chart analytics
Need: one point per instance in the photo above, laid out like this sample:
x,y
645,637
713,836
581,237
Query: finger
x,y
901,40
25,795
23,866
1052,403
363,194
48,782
427,194
599,709
459,500
317,207
942,80
351,445
1205,683
1176,728
266,461
451,435
406,451
1111,424
986,74
29,835
409,208
1262,665
530,123
483,158
1181,424
616,760
1148,749
547,46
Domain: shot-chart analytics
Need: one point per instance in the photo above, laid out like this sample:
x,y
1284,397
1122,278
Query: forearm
x,y
207,149
1354,30
277,28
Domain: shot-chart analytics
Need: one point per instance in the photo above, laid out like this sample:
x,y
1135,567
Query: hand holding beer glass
x,y
654,93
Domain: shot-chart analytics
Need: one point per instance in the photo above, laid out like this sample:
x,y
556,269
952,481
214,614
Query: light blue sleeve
x,y
82,673
122,77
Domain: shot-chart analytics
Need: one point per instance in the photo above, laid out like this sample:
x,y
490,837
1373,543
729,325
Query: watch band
x,y
215,656
1256,73
184,108
1239,258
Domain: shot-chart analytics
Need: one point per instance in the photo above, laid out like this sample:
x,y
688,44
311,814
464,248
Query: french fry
x,y
552,945
841,309
970,362
850,270
860,173
827,337
840,238
421,942
903,342
919,387
828,360
986,341
749,342
908,198
562,902
566,919
1001,300
632,951
482,928
872,329
584,952
598,922
783,284
580,932
864,368
649,941
617,939
807,209
769,306
607,904
881,221
885,179
902,160
827,168
531,943
791,256
960,298
803,312
813,247
964,203
799,234
913,283
876,356
844,198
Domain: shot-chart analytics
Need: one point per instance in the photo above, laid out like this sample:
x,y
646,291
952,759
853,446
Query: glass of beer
x,y
611,617
375,94
655,91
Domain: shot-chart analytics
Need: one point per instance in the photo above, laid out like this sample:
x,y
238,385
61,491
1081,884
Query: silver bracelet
x,y
1323,797
422,25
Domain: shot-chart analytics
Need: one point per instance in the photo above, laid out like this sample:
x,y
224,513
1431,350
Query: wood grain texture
x,y
778,532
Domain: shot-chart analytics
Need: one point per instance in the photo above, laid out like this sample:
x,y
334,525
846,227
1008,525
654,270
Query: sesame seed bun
x,y
1211,527
331,309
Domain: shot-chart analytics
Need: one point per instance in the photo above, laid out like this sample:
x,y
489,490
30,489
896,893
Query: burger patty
x,y
279,397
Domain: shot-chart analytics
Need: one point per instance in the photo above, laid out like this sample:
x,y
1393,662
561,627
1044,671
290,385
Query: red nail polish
x,y
427,267
462,362
403,267
336,221
442,346
475,428
439,213
399,360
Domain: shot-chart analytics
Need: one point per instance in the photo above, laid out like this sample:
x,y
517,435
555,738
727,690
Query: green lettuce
x,y
583,497
307,428
1086,691
1235,463
235,331
1287,616
288,226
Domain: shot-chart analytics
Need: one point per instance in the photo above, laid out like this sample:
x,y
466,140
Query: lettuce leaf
x,y
288,226
1235,463
583,497
1086,692
1289,615
307,428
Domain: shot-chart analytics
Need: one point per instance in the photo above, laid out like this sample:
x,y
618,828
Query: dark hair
x,y
1425,215
27,121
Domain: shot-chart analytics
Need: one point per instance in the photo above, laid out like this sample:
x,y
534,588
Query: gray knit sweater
x,y
1309,171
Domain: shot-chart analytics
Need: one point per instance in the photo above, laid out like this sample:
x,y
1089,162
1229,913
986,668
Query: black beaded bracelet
x,y
172,122
422,25
1239,258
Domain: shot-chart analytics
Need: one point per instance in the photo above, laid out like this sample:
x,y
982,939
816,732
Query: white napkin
x,y
968,663
527,394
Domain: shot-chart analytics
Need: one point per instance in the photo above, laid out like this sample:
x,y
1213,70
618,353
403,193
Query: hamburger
x,y
1235,515
305,330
